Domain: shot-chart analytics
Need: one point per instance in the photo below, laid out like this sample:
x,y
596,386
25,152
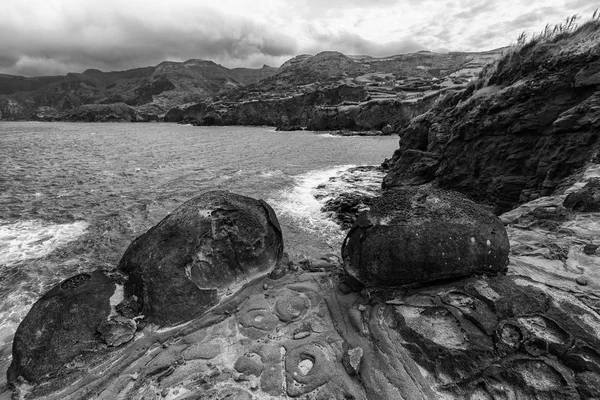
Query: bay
x,y
74,195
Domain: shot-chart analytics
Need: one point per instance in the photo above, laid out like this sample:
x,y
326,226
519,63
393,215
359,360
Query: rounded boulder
x,y
208,246
423,234
62,327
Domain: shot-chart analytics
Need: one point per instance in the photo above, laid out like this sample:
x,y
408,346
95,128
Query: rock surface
x,y
59,334
422,234
333,92
531,334
204,250
529,122
586,199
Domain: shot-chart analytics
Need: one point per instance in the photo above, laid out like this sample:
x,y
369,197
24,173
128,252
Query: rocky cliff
x,y
331,91
529,121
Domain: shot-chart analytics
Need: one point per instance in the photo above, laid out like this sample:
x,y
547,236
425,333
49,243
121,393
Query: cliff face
x,y
149,91
332,91
512,136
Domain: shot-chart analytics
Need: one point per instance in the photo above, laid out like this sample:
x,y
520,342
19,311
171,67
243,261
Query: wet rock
x,y
210,244
117,331
347,206
422,234
60,331
288,128
587,199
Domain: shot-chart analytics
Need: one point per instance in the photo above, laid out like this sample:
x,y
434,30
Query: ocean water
x,y
74,195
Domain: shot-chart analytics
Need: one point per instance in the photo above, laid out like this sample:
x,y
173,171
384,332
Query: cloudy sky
x,y
46,37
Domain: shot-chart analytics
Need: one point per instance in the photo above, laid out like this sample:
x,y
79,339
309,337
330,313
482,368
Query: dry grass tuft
x,y
566,39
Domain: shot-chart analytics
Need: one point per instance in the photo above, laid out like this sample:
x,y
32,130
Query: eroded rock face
x,y
60,331
207,246
516,135
421,234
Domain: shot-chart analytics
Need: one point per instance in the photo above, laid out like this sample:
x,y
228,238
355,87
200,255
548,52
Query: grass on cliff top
x,y
564,40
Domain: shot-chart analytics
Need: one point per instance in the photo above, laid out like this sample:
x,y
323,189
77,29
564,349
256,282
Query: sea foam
x,y
300,204
29,239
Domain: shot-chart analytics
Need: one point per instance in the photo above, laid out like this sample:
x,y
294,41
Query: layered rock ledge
x,y
531,120
300,331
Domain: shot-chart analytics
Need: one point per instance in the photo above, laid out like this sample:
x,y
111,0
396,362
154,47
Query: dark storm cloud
x,y
119,40
39,37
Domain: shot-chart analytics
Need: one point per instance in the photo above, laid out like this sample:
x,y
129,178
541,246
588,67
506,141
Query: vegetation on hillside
x,y
567,39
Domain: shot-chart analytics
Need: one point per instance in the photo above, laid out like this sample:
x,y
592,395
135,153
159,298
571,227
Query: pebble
x,y
582,280
265,286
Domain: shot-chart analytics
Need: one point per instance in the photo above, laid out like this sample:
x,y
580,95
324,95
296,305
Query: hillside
x,y
143,92
332,91
529,121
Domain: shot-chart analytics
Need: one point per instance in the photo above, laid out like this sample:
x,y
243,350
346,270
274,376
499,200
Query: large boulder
x,y
61,330
206,248
422,234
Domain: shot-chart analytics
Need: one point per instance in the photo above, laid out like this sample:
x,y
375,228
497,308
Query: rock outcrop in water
x,y
422,234
530,121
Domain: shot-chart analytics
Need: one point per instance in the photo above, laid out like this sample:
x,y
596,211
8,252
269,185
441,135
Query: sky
x,y
53,37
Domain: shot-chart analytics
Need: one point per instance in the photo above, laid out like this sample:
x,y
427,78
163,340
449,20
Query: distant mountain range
x,y
150,90
149,93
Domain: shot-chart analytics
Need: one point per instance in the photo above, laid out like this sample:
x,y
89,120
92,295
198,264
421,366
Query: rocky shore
x,y
471,274
521,319
531,120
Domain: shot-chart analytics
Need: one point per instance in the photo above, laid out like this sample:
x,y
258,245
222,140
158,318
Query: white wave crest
x,y
35,239
300,203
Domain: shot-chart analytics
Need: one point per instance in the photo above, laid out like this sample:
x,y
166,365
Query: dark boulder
x,y
207,246
346,206
586,199
60,330
387,130
422,234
